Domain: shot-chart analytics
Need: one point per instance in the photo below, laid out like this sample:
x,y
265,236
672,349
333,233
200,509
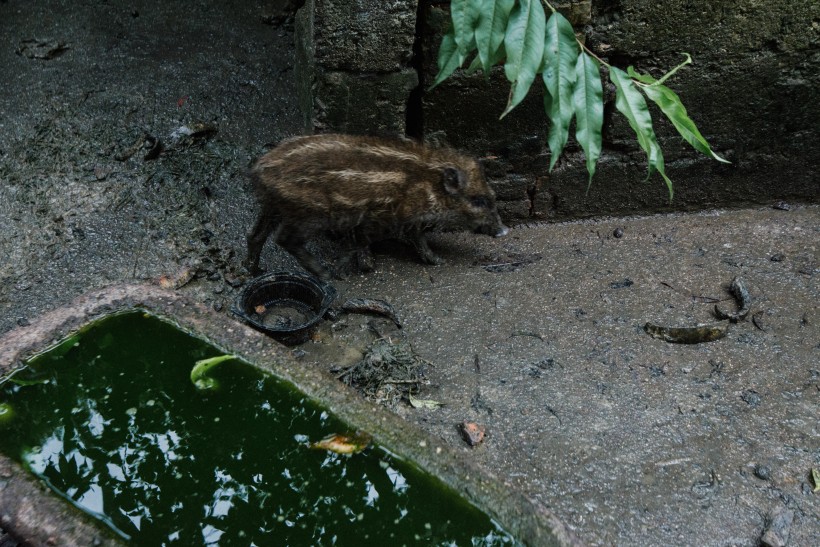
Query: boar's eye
x,y
480,202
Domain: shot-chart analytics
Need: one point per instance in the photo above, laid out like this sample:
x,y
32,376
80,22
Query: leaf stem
x,y
671,72
580,43
589,51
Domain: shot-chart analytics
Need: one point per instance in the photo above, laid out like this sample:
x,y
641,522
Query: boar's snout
x,y
495,229
501,231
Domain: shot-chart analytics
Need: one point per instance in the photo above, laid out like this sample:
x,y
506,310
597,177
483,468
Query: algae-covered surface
x,y
538,337
112,422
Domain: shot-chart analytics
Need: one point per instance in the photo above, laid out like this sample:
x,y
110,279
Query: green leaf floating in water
x,y
6,414
199,373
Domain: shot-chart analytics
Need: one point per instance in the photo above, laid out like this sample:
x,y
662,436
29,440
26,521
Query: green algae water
x,y
110,420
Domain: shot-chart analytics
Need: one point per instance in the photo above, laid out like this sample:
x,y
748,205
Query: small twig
x,y
693,296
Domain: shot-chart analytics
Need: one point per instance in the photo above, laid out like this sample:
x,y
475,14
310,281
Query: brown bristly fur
x,y
367,189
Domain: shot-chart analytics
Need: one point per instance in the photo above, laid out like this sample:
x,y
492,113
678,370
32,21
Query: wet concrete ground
x,y
538,336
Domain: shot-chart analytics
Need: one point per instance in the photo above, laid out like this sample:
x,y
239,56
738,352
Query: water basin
x,y
110,420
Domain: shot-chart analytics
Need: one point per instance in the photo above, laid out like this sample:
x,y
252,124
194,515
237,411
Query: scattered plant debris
x,y
815,476
344,444
178,279
152,145
759,321
194,132
371,305
687,335
741,293
507,263
388,372
41,49
693,296
424,403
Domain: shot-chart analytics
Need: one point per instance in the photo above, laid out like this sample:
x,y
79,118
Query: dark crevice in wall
x,y
414,114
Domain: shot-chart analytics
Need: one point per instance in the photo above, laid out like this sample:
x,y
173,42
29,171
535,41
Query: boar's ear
x,y
454,180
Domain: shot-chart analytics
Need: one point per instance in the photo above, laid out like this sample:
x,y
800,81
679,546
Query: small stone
x,y
234,282
778,528
779,257
782,206
618,233
751,398
22,322
472,432
763,472
218,305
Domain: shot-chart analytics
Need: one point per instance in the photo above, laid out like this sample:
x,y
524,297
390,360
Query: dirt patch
x,y
539,336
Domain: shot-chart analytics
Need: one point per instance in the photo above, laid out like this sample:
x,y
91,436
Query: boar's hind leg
x,y
262,230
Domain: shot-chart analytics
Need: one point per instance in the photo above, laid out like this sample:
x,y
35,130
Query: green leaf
x,y
558,66
645,78
7,414
677,68
199,374
524,43
671,105
475,64
630,103
449,58
465,14
489,35
589,110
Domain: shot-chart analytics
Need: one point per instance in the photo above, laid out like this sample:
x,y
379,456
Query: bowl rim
x,y
315,285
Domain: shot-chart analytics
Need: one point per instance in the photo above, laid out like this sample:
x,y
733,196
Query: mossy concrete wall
x,y
754,92
354,64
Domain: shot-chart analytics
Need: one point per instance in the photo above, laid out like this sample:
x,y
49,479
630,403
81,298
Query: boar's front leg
x,y
262,230
356,256
294,242
419,241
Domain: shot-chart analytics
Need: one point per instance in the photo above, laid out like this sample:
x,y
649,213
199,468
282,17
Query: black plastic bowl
x,y
284,305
